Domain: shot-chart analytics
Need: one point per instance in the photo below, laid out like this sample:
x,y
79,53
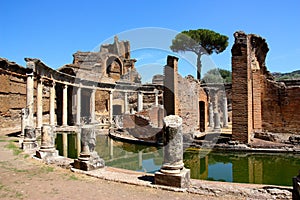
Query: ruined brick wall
x,y
280,107
189,95
12,93
182,96
259,102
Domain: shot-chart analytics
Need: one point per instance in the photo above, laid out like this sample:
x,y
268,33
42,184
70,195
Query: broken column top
x,y
173,121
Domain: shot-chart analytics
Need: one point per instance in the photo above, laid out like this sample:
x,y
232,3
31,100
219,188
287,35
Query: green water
x,y
241,167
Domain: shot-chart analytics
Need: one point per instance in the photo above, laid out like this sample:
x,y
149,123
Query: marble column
x,y
140,102
65,106
225,112
47,148
172,172
211,115
78,105
111,107
126,111
30,98
39,105
89,158
52,105
92,106
156,97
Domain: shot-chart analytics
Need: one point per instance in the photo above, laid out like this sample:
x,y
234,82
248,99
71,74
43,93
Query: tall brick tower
x,y
248,62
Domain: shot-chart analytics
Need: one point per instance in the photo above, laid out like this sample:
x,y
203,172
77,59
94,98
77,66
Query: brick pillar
x,y
171,86
240,79
248,63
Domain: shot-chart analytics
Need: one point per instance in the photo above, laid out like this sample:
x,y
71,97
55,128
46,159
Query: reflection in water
x,y
276,169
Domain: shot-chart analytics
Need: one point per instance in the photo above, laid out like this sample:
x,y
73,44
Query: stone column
x,y
172,172
92,105
29,142
111,107
24,120
211,115
225,112
65,144
47,143
217,127
52,105
126,111
39,106
89,158
140,102
78,105
65,106
30,98
156,98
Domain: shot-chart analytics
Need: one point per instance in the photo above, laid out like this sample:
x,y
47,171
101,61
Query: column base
x,y
217,130
180,180
94,162
46,153
38,132
29,144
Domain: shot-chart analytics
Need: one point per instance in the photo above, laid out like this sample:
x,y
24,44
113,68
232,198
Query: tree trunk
x,y
199,66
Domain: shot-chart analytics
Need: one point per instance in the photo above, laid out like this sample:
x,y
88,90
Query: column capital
x,y
65,86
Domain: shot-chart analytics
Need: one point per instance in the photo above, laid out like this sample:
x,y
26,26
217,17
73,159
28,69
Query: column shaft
x,y
225,113
78,106
65,106
156,98
30,98
92,107
211,115
140,102
111,106
52,105
39,104
126,103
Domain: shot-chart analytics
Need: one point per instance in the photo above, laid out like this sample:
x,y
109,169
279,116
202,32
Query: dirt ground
x,y
22,177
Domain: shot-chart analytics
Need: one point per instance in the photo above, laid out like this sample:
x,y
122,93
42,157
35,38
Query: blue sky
x,y
54,30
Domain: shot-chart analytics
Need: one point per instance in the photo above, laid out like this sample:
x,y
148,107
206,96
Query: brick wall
x,y
240,78
280,108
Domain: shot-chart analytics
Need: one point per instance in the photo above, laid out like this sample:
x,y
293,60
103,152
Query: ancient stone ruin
x,y
102,92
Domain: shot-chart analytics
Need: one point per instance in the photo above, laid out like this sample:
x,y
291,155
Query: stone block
x,y
180,180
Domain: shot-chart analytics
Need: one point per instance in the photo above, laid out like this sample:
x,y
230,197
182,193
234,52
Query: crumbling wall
x,y
12,93
189,95
259,102
182,96
280,107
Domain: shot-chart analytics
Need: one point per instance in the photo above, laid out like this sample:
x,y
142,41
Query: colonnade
x,y
41,81
213,111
